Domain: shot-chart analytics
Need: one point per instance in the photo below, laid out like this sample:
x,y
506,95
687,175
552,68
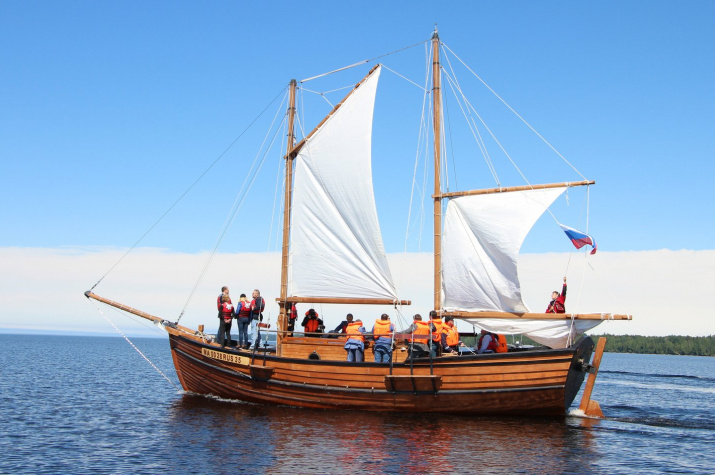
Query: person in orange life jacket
x,y
558,301
382,334
243,320
312,323
419,336
487,343
355,344
439,338
257,307
219,304
226,316
452,342
343,327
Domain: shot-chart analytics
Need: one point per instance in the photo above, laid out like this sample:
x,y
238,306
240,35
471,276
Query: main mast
x,y
437,123
285,305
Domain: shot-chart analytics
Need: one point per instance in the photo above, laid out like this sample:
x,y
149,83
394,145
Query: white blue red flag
x,y
579,239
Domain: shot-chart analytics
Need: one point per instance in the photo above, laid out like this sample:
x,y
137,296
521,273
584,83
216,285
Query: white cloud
x,y
667,292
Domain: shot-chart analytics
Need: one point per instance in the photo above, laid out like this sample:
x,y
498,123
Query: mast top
x,y
435,35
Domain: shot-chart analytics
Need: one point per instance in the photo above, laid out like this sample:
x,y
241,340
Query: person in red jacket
x,y
219,334
226,314
558,301
243,319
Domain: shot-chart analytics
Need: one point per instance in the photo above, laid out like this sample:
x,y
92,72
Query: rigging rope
x,y
132,344
470,106
275,193
405,78
322,94
188,189
470,120
452,82
421,134
238,202
364,61
514,112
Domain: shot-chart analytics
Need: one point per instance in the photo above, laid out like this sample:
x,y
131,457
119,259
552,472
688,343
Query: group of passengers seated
x,y
434,338
383,335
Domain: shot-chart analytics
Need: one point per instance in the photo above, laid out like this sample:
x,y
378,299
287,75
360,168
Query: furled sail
x,y
552,333
481,241
336,245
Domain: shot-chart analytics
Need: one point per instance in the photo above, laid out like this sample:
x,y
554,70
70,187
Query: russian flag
x,y
579,239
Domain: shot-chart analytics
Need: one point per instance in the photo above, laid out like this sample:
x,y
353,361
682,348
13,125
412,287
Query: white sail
x,y
336,245
481,241
552,333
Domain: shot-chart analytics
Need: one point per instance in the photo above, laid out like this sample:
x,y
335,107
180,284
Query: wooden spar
x,y
588,406
90,295
437,131
288,200
347,300
538,316
507,189
294,151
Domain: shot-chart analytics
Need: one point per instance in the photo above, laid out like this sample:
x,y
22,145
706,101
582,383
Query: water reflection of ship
x,y
273,440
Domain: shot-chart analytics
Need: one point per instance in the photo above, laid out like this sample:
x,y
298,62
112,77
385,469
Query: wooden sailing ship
x,y
332,253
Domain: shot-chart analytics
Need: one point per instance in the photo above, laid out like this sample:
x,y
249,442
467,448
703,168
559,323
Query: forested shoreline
x,y
660,345
654,345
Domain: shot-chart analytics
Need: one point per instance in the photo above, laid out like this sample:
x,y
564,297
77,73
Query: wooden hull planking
x,y
542,382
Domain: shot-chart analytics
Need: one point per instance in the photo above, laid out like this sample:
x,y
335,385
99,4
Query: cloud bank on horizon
x,y
665,291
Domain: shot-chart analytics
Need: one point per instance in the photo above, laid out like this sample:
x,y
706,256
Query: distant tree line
x,y
654,345
660,345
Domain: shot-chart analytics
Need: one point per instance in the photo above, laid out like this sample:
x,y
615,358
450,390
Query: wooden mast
x,y
285,305
293,151
437,130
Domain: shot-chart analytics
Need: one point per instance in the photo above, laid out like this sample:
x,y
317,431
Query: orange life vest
x,y
353,332
421,333
501,346
312,325
452,335
382,328
439,325
494,342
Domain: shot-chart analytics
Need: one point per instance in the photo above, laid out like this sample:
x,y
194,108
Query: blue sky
x,y
112,109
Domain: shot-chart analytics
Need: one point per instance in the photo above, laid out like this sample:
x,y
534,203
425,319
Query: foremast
x,y
437,131
285,306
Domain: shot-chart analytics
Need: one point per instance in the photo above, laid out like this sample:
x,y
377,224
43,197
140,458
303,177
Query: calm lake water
x,y
94,405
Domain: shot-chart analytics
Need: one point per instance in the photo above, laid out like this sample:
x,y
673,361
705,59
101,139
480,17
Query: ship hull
x,y
538,383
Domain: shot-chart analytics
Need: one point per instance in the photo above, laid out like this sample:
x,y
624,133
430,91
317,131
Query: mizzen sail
x,y
336,246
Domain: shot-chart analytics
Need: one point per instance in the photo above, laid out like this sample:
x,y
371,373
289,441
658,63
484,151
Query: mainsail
x,y
481,242
336,246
